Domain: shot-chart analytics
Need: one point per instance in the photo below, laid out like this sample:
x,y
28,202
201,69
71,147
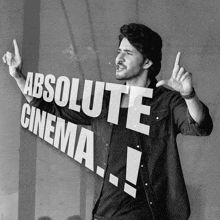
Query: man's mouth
x,y
120,67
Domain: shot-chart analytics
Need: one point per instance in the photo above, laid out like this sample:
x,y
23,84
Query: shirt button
x,y
151,203
142,165
146,184
107,145
157,118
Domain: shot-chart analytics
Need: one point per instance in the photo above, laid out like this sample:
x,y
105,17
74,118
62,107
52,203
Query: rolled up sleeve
x,y
62,112
186,124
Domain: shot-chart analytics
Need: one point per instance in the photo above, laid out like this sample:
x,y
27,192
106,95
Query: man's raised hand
x,y
180,80
14,61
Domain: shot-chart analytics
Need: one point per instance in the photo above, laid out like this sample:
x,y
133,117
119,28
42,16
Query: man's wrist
x,y
190,95
18,75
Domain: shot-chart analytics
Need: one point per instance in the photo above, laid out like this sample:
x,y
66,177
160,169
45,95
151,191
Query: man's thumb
x,y
162,82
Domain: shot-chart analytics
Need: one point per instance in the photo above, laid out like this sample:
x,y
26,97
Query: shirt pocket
x,y
160,123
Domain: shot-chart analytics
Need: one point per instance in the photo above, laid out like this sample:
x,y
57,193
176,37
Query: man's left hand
x,y
180,80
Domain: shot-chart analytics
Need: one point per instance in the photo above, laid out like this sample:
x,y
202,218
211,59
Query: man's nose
x,y
120,58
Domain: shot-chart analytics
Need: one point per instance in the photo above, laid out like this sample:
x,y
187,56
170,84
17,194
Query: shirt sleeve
x,y
186,124
62,112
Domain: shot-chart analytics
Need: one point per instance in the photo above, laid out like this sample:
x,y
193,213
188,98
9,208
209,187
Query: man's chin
x,y
119,77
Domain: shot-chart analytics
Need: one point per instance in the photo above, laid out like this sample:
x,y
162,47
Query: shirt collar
x,y
153,83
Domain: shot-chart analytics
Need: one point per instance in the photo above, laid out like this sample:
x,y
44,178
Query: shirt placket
x,y
146,183
106,144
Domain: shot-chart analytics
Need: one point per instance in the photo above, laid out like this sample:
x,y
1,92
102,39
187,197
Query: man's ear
x,y
147,64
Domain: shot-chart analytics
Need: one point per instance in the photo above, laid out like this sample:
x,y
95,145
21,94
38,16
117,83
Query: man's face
x,y
129,61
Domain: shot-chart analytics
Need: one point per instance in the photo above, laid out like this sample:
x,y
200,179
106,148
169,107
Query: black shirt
x,y
114,203
160,169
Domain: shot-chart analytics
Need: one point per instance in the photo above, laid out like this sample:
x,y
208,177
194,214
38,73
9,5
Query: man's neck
x,y
125,97
139,82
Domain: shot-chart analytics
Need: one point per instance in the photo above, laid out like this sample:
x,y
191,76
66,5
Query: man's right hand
x,y
14,61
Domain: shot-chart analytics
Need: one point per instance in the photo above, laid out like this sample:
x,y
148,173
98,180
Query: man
x,y
161,192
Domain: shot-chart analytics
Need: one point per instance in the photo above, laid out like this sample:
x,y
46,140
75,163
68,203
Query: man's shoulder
x,y
165,97
164,91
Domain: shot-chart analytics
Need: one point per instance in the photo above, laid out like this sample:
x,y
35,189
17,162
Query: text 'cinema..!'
x,y
58,132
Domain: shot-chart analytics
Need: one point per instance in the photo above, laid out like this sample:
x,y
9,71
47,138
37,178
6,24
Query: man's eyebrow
x,y
126,50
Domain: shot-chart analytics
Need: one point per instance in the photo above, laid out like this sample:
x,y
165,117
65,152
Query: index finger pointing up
x,y
177,61
16,47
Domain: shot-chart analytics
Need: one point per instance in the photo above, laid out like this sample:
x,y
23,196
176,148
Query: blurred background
x,y
79,38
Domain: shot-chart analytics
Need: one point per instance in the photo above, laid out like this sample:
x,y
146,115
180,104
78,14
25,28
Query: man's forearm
x,y
21,80
195,108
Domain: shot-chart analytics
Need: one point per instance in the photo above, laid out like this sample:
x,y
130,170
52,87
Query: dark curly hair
x,y
147,42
